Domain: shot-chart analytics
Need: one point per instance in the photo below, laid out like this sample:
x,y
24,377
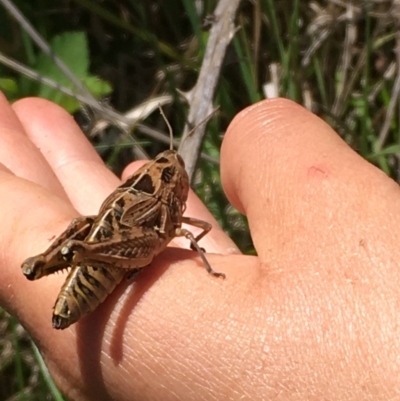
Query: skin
x,y
314,317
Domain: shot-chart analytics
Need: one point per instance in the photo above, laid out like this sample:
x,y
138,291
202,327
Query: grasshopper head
x,y
172,174
163,177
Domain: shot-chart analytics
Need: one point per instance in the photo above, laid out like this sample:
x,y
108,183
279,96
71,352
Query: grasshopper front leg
x,y
52,260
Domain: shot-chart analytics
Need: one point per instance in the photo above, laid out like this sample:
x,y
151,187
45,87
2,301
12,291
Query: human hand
x,y
313,316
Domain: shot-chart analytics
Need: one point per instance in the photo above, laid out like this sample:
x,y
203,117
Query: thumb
x,y
299,183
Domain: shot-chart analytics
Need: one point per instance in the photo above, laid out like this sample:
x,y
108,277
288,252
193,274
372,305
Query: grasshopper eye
x,y
167,174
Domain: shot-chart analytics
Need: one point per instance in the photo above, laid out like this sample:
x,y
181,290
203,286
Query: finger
x,y
216,241
20,155
293,177
85,178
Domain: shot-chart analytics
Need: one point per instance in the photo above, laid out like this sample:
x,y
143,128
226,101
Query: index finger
x,y
84,176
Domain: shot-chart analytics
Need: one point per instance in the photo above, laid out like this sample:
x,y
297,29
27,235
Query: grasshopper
x,y
134,224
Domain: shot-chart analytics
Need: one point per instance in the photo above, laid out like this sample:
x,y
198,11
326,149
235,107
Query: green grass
x,y
338,66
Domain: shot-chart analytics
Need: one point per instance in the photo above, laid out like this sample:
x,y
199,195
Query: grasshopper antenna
x,y
202,121
171,134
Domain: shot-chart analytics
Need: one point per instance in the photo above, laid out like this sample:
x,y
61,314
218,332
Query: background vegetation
x,y
339,59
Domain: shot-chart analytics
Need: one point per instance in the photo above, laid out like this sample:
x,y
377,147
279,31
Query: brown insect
x,y
135,223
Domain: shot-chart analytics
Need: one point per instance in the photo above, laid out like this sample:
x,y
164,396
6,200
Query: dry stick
x,y
32,74
201,96
124,121
112,115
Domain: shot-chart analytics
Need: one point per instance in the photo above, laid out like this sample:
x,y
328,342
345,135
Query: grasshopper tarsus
x,y
217,274
211,271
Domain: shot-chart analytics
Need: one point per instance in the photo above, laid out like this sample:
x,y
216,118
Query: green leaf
x,y
97,86
72,49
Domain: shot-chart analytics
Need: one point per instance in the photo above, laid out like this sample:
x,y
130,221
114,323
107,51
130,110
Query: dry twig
x,y
201,96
